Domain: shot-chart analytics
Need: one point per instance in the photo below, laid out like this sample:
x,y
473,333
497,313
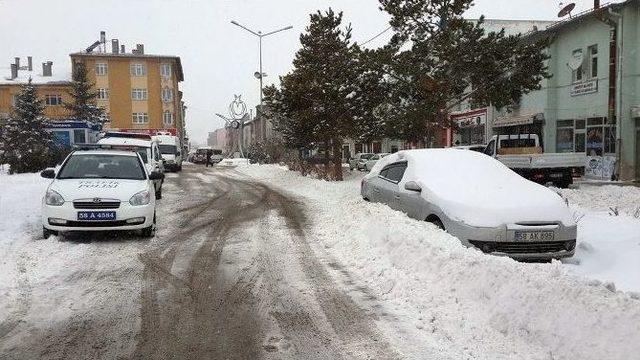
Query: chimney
x,y
30,63
14,71
46,68
18,63
122,51
115,46
140,48
103,40
596,4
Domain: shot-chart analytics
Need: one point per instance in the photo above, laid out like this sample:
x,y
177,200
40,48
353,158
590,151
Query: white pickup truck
x,y
523,154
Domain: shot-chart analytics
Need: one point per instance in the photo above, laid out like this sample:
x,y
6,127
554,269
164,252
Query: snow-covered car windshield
x,y
102,167
168,149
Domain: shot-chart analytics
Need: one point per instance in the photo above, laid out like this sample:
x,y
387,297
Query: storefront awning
x,y
514,120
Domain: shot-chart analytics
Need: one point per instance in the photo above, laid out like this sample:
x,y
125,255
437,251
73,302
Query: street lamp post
x,y
260,75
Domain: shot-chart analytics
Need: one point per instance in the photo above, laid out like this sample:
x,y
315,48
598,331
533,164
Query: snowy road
x,y
231,275
257,262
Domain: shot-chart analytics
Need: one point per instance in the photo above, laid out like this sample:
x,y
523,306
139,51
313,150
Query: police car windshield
x,y
103,166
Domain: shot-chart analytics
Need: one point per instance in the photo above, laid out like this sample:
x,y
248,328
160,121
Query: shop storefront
x,y
68,133
470,127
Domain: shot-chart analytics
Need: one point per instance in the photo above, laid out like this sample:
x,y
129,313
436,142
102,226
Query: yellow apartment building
x,y
140,92
53,88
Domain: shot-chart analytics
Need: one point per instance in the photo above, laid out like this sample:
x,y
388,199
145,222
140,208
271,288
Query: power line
x,y
377,36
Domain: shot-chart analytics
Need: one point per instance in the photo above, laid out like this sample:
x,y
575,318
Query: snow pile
x,y
234,162
489,193
461,302
608,244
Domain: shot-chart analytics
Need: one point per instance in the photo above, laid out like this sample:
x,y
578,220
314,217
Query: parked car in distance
x,y
523,154
171,151
359,160
373,160
100,190
200,156
217,156
147,149
478,148
477,199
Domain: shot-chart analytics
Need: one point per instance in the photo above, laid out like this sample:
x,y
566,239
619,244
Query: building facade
x,y
139,92
591,103
52,88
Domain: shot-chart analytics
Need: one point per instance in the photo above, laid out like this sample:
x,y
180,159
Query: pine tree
x,y
315,106
451,59
27,146
83,106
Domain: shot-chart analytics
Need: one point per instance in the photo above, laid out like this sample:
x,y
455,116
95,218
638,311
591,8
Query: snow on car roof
x,y
104,152
477,188
125,141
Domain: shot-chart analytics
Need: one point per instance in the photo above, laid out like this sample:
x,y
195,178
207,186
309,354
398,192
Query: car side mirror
x,y
412,186
48,173
156,175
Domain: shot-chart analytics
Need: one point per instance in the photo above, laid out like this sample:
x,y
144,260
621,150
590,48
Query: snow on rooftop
x,y
58,77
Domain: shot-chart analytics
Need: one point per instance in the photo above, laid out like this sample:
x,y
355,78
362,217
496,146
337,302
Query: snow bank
x,y
234,162
460,301
608,244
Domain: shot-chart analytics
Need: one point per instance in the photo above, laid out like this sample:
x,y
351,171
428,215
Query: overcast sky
x,y
218,58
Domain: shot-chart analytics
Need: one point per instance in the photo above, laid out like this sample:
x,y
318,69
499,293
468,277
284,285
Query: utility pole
x,y
260,74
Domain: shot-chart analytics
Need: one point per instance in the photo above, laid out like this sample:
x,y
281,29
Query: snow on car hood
x,y
478,190
74,189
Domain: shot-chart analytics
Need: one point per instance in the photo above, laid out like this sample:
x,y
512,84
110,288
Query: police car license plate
x,y
96,215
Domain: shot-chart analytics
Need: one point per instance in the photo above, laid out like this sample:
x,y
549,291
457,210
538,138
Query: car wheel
x,y
179,168
46,233
436,221
150,231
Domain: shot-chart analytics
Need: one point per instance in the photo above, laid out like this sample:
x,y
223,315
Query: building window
x,y
140,118
165,70
595,136
139,94
593,61
564,136
577,73
79,136
167,95
138,70
103,94
167,118
53,100
101,69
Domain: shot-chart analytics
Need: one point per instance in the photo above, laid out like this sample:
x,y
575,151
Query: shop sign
x,y
475,118
584,87
599,167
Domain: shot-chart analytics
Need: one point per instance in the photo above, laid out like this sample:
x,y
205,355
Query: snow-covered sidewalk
x,y
608,234
459,301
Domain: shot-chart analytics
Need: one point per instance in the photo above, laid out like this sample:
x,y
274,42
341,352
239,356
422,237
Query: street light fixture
x,y
260,74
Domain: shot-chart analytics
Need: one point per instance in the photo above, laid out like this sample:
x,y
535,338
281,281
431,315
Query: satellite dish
x,y
567,10
576,60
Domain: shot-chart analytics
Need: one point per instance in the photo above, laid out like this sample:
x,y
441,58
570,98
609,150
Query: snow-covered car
x,y
100,190
477,199
373,160
359,160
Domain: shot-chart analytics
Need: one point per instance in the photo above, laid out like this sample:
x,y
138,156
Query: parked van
x,y
149,151
170,148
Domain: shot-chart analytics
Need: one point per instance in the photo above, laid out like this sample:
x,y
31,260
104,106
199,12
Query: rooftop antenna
x,y
566,10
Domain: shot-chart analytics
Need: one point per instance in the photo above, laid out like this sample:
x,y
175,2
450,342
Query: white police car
x,y
100,190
